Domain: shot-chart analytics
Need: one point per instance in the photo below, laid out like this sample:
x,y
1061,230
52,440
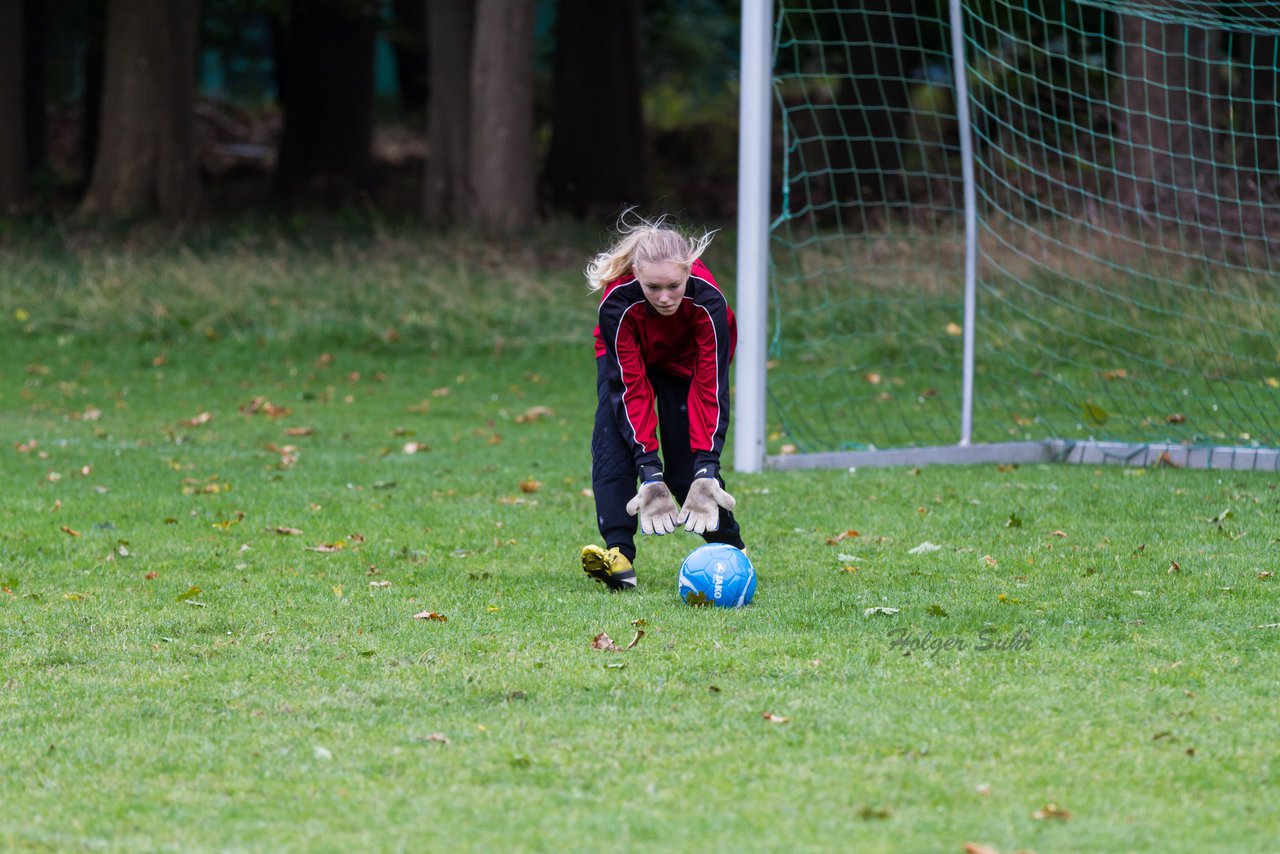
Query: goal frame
x,y
754,227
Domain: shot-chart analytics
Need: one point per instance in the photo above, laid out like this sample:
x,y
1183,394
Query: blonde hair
x,y
644,241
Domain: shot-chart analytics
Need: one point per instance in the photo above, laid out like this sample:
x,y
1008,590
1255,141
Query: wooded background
x,y
493,114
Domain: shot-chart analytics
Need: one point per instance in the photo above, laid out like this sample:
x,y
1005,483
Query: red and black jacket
x,y
696,343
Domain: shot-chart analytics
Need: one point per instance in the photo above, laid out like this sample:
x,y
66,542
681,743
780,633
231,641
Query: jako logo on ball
x,y
717,574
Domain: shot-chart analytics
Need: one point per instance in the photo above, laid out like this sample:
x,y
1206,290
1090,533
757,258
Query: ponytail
x,y
644,241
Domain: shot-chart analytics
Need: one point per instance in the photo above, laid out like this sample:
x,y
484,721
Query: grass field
x,y
222,519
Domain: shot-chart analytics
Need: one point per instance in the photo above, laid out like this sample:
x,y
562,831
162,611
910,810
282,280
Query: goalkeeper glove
x,y
701,511
654,504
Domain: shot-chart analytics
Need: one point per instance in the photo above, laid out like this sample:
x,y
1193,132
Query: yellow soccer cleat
x,y
611,567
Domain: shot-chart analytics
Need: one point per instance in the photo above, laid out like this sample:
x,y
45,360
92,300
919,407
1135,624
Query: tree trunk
x,y
503,176
13,157
597,127
1165,157
873,101
327,90
409,41
146,160
94,83
1260,149
451,37
35,26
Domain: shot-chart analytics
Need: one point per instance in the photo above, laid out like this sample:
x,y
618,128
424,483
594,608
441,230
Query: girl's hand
x,y
701,511
657,509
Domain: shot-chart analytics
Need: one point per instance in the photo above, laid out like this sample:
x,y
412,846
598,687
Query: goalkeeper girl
x,y
664,341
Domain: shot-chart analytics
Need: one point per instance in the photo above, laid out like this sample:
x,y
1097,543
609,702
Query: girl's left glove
x,y
701,511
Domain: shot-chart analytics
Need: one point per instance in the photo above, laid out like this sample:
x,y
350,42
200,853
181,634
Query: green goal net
x,y
1126,186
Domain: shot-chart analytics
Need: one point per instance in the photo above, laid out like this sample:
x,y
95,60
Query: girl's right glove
x,y
656,506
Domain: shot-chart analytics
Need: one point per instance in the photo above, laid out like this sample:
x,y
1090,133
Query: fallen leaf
x,y
1176,418
379,584
603,641
955,330
260,405
1174,566
1051,811
978,848
775,719
936,611
533,413
924,548
327,547
415,447
190,593
1014,521
287,531
989,561
1266,574
300,431
202,418
843,535
1094,414
69,531
879,611
431,615
1116,374
1059,534
437,737
530,485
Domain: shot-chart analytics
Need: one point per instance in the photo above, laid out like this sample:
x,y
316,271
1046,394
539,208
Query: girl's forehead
x,y
661,268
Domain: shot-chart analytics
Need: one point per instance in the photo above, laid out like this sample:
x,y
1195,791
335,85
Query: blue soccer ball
x,y
717,574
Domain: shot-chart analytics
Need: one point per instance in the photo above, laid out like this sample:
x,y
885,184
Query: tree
x,y
503,179
1165,154
597,156
13,156
326,86
408,38
451,34
1258,52
146,161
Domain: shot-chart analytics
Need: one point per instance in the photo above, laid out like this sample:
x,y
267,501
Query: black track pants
x,y
613,465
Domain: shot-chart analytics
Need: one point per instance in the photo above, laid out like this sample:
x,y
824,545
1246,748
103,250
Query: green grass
x,y
287,704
